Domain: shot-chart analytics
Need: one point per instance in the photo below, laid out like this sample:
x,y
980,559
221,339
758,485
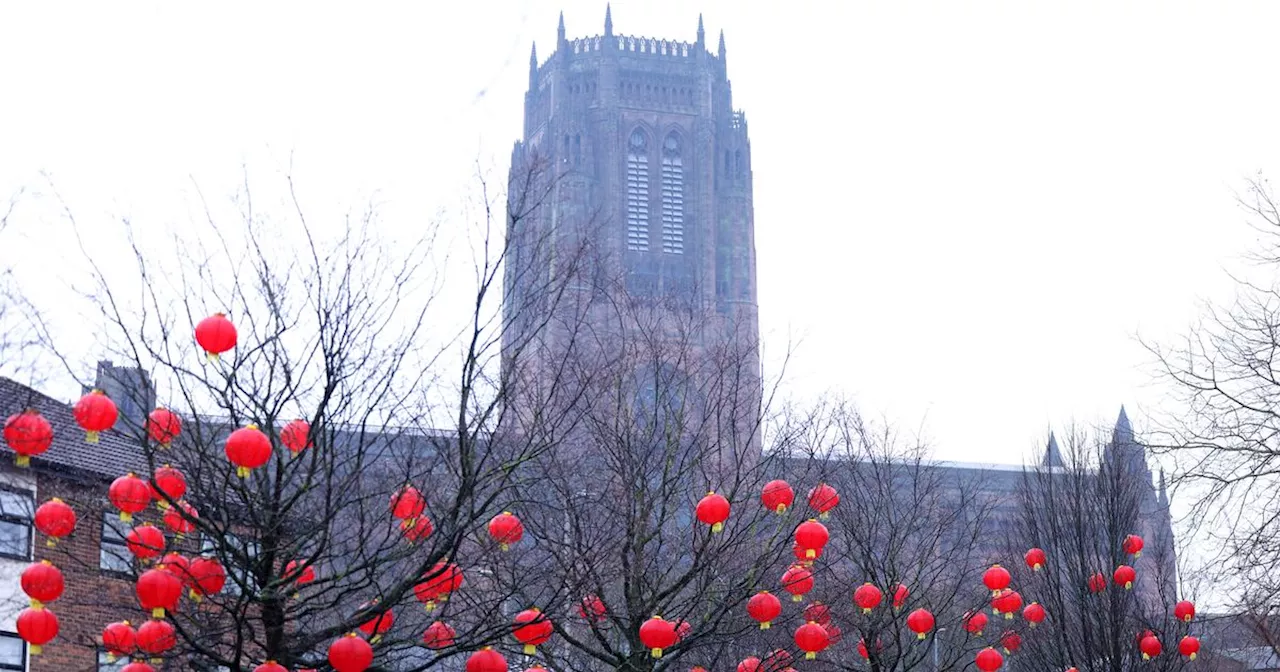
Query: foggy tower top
x,y
646,163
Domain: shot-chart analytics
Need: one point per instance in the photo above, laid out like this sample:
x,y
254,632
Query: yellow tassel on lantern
x,y
530,649
157,613
810,554
1192,656
810,655
764,625
717,527
242,472
126,517
23,461
824,515
920,635
90,437
1128,585
797,598
211,357
780,509
1008,616
35,649
656,653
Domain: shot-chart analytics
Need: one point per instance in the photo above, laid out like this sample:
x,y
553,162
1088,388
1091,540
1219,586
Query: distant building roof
x,y
113,455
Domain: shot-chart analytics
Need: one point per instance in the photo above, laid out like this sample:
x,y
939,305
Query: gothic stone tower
x,y
645,164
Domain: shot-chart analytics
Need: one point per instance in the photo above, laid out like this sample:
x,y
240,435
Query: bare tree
x,y
1079,510
335,330
1222,436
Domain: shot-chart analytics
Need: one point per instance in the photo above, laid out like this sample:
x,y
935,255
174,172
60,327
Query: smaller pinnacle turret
x,y
702,34
1164,492
721,48
533,62
1123,432
1052,456
560,30
608,20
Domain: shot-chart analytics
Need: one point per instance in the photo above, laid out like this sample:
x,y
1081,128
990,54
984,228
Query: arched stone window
x,y
672,195
638,191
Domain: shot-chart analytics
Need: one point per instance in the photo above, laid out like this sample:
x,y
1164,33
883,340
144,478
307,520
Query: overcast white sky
x,y
965,212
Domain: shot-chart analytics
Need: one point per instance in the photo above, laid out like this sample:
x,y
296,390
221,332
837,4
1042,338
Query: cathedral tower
x,y
646,165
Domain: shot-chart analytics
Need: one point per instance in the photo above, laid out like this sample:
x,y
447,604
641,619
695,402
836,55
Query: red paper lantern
x,y
145,541
177,565
900,593
37,626
1184,611
27,434
920,622
350,654
1189,646
55,519
416,529
1035,559
137,666
207,577
307,575
296,436
777,495
988,660
271,666
811,536
778,659
656,635
407,503
377,626
868,597
168,481
975,622
713,510
159,590
1133,545
532,628
822,499
996,579
1006,602
438,635
862,649
215,335
163,426
797,580
486,660
683,628
817,612
1010,641
1097,583
181,519
438,582
750,663
95,413
1034,613
1124,576
119,639
248,448
130,495
42,582
763,607
1150,647
155,638
811,638
592,609
506,529
833,633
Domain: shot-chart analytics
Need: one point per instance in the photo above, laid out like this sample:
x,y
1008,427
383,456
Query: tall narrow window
x,y
638,192
672,196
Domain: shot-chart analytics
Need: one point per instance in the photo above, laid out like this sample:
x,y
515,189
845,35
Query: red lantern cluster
x,y
95,413
823,498
119,639
377,626
996,579
407,503
438,635
181,519
159,591
437,583
713,510
169,484
592,609
145,541
27,434
1096,582
207,577
1006,602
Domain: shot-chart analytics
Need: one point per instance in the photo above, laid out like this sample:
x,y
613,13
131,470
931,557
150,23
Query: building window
x,y
13,652
105,664
638,192
114,556
672,196
16,510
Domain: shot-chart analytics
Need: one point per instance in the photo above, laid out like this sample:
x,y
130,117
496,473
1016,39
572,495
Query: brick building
x,y
93,559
